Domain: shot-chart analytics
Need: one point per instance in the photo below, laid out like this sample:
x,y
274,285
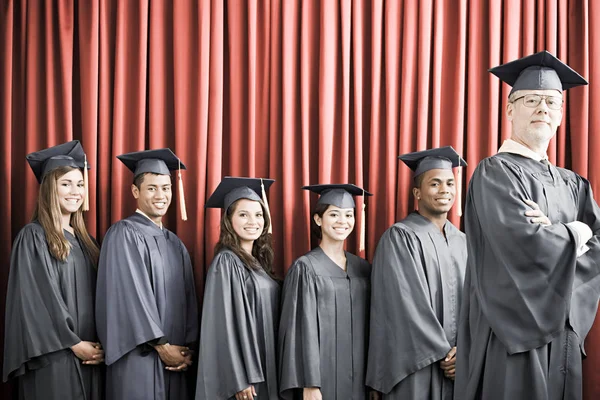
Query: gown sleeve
x,y
229,357
37,319
299,355
126,311
191,333
405,334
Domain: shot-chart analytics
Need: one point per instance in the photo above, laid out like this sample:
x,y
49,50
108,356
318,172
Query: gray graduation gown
x,y
49,308
416,286
145,291
240,315
323,329
529,301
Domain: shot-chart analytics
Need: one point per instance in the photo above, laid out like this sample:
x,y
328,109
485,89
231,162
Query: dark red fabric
x,y
299,91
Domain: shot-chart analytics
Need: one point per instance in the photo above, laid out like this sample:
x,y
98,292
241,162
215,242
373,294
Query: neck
x,y
66,221
333,248
247,246
438,220
540,147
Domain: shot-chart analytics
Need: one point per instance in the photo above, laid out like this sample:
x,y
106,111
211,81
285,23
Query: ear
x,y
417,193
510,109
135,191
317,219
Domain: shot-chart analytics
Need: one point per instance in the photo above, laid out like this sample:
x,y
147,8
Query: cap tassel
x,y
86,198
458,201
363,223
182,196
265,201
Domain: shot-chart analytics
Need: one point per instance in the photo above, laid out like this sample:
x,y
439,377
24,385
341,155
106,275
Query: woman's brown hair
x,y
262,249
48,214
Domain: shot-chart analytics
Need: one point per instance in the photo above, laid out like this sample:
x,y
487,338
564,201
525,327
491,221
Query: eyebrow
x,y
69,180
440,180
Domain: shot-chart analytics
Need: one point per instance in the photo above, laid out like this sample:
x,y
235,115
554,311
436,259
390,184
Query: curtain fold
x,y
301,91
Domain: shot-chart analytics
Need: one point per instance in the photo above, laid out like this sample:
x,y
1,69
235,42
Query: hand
x,y
374,395
176,358
247,394
537,214
312,394
90,353
448,364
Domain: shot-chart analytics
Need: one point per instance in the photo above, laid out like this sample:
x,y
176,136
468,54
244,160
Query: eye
x,y
243,215
435,184
259,215
151,189
450,183
167,189
334,215
80,185
554,101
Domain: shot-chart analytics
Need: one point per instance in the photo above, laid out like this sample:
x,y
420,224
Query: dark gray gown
x,y
529,301
323,329
49,308
145,292
240,314
416,286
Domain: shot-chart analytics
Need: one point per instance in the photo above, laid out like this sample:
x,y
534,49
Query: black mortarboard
x,y
67,154
339,195
159,161
232,189
539,71
440,158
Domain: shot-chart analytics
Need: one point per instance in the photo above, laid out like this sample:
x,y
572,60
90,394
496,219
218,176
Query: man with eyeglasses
x,y
532,282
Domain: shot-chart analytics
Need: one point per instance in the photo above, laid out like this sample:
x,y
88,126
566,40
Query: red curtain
x,y
299,91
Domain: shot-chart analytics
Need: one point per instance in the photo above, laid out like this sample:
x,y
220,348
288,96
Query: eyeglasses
x,y
534,100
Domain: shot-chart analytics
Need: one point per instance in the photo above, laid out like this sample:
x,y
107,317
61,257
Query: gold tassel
x,y
458,200
363,223
86,185
182,196
265,201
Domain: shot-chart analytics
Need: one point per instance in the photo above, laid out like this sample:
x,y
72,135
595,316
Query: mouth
x,y
160,204
340,229
252,231
72,200
444,201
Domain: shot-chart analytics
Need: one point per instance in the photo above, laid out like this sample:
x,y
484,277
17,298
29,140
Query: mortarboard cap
x,y
67,154
339,195
440,158
159,161
232,189
539,71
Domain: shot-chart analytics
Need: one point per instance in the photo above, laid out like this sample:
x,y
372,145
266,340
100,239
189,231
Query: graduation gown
x,y
323,329
145,291
529,301
240,314
416,286
49,308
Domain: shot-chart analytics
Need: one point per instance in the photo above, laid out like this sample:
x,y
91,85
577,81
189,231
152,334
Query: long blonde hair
x,y
48,214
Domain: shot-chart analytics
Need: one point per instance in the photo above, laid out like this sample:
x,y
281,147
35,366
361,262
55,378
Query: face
x,y
336,223
154,196
436,193
70,191
247,220
532,126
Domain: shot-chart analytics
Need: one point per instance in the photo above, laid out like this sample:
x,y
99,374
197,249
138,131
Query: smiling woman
x,y
51,345
324,317
241,299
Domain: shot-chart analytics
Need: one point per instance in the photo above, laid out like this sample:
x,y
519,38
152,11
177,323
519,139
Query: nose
x,y
543,107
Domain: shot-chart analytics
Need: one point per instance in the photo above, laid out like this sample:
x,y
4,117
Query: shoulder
x,y
360,263
32,228
303,265
122,228
226,261
31,234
